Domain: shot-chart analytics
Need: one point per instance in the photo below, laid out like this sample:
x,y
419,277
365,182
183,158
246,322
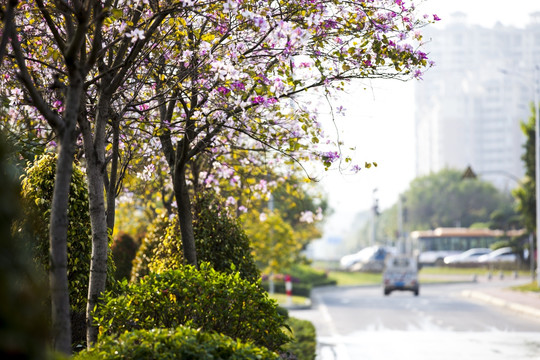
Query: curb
x,y
524,309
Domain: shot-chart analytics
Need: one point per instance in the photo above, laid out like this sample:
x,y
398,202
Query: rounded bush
x,y
304,343
124,249
37,192
219,240
178,343
204,298
156,232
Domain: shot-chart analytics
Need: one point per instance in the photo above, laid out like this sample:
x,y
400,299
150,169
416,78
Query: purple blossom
x,y
257,100
421,55
330,156
436,18
223,90
238,85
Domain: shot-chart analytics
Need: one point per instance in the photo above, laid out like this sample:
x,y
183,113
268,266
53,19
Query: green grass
x,y
296,300
344,278
528,287
448,271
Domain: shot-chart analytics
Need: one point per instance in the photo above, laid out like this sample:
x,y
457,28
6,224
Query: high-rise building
x,y
469,106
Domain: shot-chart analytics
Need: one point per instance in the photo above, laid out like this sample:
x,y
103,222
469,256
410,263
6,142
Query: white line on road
x,y
340,350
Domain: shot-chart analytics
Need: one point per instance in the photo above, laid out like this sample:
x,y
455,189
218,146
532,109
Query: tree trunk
x,y
94,148
111,186
184,215
58,278
59,219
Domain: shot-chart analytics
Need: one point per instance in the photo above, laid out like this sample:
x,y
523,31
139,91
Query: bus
x,y
432,246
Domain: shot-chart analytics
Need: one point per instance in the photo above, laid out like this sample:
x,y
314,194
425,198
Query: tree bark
x,y
185,218
94,149
58,278
59,218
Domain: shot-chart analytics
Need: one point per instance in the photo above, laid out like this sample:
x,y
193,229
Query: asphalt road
x,y
360,323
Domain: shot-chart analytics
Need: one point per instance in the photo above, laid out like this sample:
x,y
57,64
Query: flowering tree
x,y
187,77
230,74
72,61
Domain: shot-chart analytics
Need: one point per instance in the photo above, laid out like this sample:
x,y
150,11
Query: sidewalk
x,y
527,303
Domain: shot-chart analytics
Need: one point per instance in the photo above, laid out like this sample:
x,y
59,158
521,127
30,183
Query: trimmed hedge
x,y
219,240
304,343
204,298
179,343
124,248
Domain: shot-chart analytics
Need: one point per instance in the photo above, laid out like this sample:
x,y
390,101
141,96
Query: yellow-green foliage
x,y
274,241
201,298
304,343
156,232
168,254
178,343
37,192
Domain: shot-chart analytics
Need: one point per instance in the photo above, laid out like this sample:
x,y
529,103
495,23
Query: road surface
x,y
360,323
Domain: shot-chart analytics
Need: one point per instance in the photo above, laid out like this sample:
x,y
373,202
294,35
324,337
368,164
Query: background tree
x,y
525,194
444,199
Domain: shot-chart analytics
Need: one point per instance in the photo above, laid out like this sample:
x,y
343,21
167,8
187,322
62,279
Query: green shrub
x,y
308,275
204,298
219,240
124,249
304,342
156,232
179,343
37,191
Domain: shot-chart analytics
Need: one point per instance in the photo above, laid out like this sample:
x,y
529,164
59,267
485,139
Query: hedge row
x,y
199,298
178,343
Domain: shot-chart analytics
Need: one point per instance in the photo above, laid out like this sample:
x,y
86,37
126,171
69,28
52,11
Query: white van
x,y
401,273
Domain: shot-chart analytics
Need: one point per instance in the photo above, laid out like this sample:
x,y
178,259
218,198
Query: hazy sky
x,y
379,121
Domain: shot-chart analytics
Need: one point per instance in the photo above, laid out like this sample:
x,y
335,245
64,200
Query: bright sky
x,y
379,121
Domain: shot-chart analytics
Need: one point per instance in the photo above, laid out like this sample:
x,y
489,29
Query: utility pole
x,y
375,213
401,240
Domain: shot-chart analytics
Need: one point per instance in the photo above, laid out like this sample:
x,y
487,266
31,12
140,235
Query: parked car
x,y
502,255
401,273
435,258
369,259
469,257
